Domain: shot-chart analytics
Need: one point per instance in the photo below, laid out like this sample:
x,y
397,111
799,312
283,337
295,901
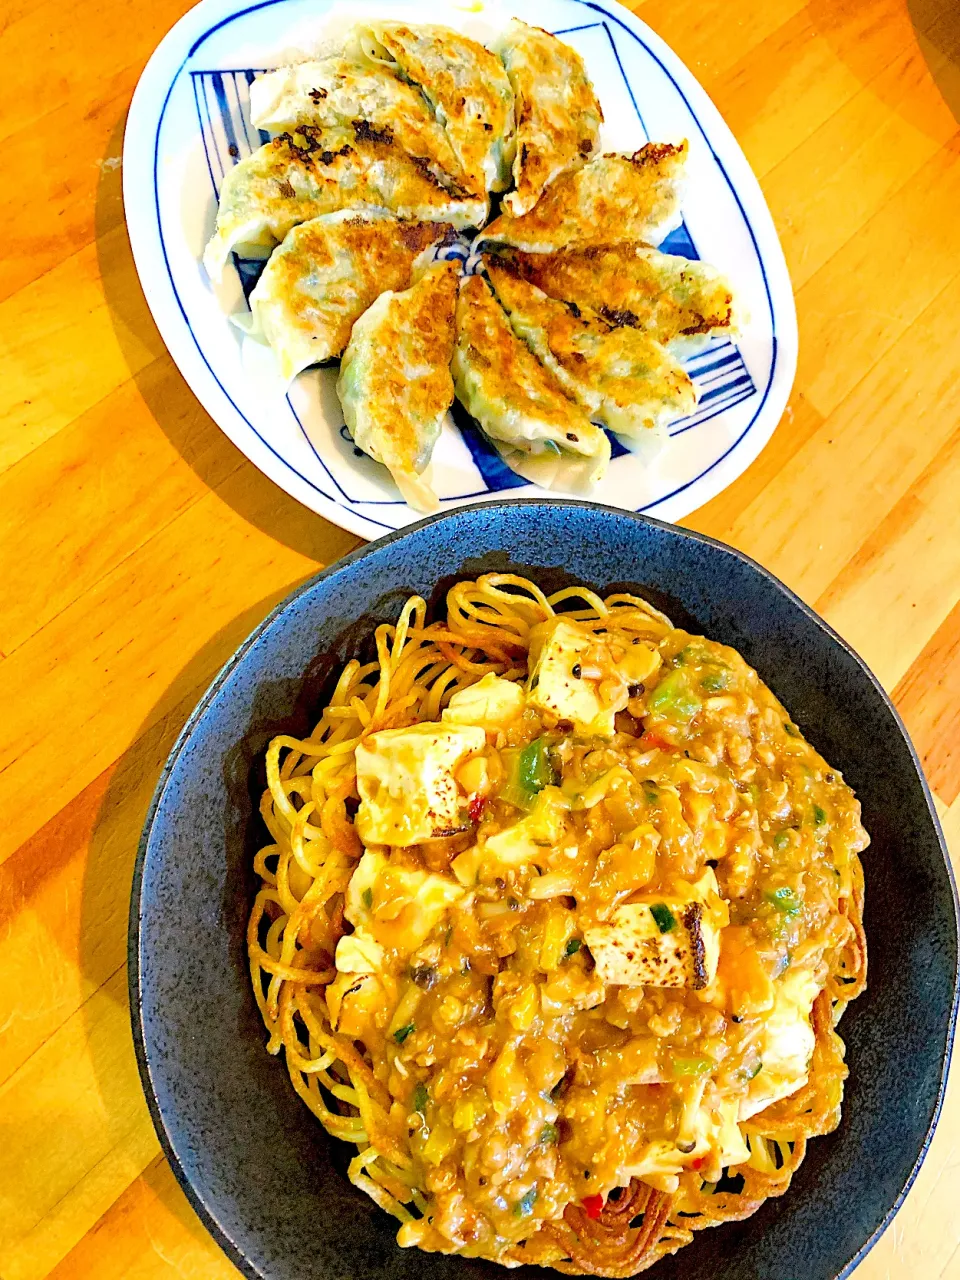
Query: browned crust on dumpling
x,y
614,199
632,284
558,114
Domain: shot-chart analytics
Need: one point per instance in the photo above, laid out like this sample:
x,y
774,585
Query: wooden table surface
x,y
138,547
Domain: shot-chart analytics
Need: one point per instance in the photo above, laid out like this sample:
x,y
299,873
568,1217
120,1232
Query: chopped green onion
x,y
666,920
573,946
420,1096
652,796
401,1033
524,1206
785,900
673,698
819,815
749,1073
714,681
549,1134
781,839
535,770
530,771
367,898
792,729
691,1066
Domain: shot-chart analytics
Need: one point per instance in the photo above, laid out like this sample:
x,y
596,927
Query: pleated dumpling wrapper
x,y
539,432
558,115
325,275
311,172
395,384
614,199
622,377
465,84
337,92
672,298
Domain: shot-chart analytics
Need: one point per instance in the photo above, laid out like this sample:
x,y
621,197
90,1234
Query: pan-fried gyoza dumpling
x,y
621,377
464,83
612,200
558,115
538,431
332,92
672,298
395,384
325,275
310,172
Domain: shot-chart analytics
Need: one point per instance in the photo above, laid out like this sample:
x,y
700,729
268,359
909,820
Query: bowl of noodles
x,y
543,886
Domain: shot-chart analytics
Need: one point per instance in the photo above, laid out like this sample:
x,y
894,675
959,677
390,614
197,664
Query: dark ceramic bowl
x,y
261,1172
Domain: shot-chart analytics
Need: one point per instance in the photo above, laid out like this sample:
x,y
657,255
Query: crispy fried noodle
x,y
557,921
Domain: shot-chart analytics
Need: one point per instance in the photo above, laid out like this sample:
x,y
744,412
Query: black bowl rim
x,y
134,976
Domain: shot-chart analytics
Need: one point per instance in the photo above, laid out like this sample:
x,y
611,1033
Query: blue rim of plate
x,y
357,516
223,675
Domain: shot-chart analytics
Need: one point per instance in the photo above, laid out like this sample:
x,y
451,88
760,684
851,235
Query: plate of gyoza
x,y
409,257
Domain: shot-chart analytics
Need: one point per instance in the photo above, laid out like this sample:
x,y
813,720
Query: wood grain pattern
x,y
137,547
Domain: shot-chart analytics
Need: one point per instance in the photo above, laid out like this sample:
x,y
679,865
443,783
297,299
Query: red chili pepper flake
x,y
651,740
592,1206
476,808
698,1163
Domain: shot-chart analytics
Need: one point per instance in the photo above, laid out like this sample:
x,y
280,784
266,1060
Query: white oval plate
x,y
189,122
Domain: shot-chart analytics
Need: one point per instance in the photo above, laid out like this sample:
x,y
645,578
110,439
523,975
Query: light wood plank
x,y
150,1233
128,636
74,1132
814,514
825,190
65,895
59,360
119,476
62,109
928,698
66,213
711,38
879,603
802,74
849,320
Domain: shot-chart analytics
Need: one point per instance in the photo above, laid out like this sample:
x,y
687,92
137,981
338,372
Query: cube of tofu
x,y
582,677
392,907
405,777
353,1001
663,941
359,895
358,954
786,1045
706,1130
558,653
703,1134
492,703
